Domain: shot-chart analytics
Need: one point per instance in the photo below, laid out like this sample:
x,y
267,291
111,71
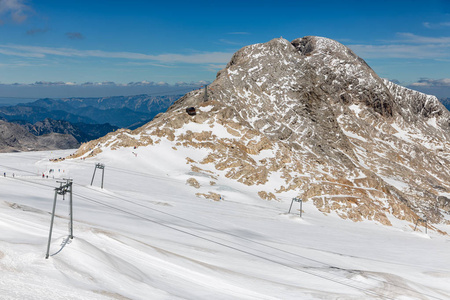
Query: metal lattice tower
x,y
61,190
101,167
300,201
205,95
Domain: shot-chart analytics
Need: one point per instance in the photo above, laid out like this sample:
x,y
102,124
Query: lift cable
x,y
275,248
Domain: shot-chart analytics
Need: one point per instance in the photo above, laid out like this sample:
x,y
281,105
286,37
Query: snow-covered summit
x,y
311,117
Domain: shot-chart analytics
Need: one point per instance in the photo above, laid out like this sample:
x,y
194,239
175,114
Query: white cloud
x,y
200,58
215,67
427,24
239,33
408,46
61,89
18,64
16,9
21,54
110,83
146,63
224,41
425,82
402,51
437,87
436,25
417,39
196,58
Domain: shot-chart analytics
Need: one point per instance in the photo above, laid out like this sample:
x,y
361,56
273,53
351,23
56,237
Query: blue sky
x,y
44,44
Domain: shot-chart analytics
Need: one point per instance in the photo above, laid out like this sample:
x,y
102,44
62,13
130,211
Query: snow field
x,y
147,236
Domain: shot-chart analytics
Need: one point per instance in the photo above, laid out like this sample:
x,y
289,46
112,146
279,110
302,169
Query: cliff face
x,y
316,117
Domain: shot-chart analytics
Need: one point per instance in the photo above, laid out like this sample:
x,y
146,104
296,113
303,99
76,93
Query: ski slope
x,y
146,235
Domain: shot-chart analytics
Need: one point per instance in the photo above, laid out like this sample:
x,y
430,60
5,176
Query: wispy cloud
x,y
436,25
426,82
228,42
402,51
146,63
19,64
417,39
62,89
408,45
17,10
215,67
109,83
36,31
75,35
239,33
438,87
196,58
6,51
51,83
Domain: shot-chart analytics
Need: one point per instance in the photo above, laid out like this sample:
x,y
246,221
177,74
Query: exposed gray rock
x,y
341,136
80,131
14,137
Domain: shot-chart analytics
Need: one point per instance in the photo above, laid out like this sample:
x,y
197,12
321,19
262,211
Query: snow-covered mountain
x,y
146,235
311,117
196,207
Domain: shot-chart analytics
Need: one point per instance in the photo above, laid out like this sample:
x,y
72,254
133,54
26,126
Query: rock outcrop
x,y
317,115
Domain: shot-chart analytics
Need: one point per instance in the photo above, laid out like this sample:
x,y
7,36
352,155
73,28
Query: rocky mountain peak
x,y
314,45
312,118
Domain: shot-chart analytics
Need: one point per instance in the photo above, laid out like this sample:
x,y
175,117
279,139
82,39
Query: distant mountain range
x,y
124,111
446,103
14,137
84,119
82,132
